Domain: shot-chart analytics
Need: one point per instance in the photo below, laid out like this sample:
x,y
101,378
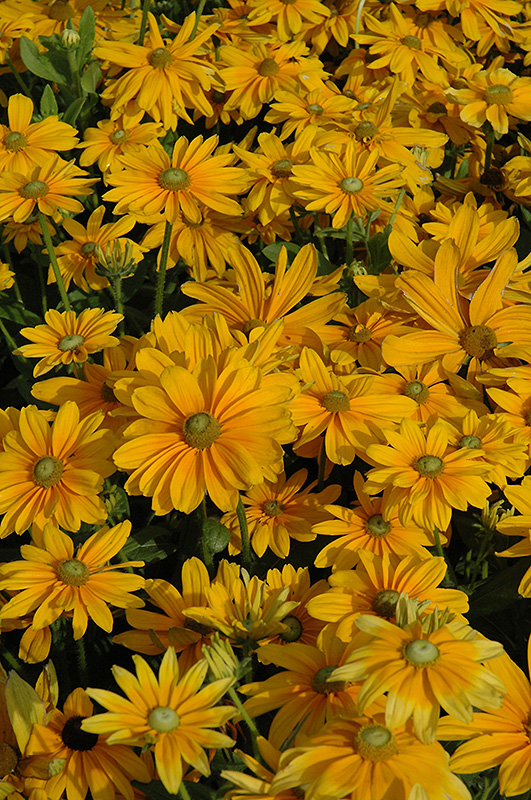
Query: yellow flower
x,y
117,137
67,338
347,184
48,187
172,713
288,18
152,182
52,580
54,472
7,277
493,96
299,625
24,145
88,762
518,526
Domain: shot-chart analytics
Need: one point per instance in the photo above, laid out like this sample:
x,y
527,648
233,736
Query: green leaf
x,y
216,535
379,255
39,63
90,77
150,544
72,112
48,105
87,34
272,251
500,591
155,790
325,267
16,312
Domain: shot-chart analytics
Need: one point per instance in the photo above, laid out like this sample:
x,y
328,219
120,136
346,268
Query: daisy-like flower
x,y
428,474
54,472
493,96
347,184
152,182
299,625
49,188
323,107
362,758
520,525
258,785
222,430
172,713
375,586
24,145
53,580
289,18
67,338
499,737
278,511
370,526
7,277
514,405
88,762
117,137
21,232
421,671
162,80
346,409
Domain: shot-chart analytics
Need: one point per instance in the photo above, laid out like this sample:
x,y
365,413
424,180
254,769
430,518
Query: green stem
x,y
183,791
144,22
322,466
74,73
296,227
248,559
53,261
451,576
397,206
358,22
82,661
9,657
161,276
208,558
24,89
438,545
7,336
253,730
349,248
490,145
198,12
42,284
116,287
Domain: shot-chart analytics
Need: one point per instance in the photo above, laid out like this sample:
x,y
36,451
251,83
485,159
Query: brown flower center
x,y
366,131
384,604
359,333
8,759
60,10
421,653
88,249
320,684
218,97
119,137
268,67
498,95
315,109
15,141
34,189
47,471
197,627
375,743
351,185
107,394
336,401
436,108
273,508
160,58
282,168
429,466
70,342
201,430
75,738
417,391
478,341
73,572
413,42
251,324
174,179
377,526
294,629
493,177
423,20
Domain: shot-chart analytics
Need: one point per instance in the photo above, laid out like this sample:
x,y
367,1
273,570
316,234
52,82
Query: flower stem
x,y
183,791
490,145
161,277
82,661
253,730
349,249
296,227
358,22
74,72
198,12
248,558
144,22
116,288
24,89
322,466
7,336
53,261
208,559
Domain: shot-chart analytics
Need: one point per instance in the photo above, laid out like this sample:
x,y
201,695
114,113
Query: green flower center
x,y
70,342
321,685
15,141
282,168
73,572
472,442
315,109
268,68
366,131
294,629
163,719
273,508
436,108
429,466
34,189
413,42
88,248
384,604
119,137
174,179
417,391
375,743
47,471
351,185
478,341
201,430
160,58
377,526
359,333
421,653
498,95
336,401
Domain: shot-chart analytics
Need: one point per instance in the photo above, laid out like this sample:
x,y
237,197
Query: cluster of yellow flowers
x,y
343,349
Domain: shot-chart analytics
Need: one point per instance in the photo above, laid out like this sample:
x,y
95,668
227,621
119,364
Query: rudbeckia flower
x,y
54,580
117,137
299,625
519,525
493,96
172,713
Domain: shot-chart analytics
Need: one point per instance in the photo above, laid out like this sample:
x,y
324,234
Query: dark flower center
x,y
273,508
8,759
76,739
282,168
366,131
478,341
268,67
321,685
359,333
294,629
336,401
413,42
160,58
384,604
